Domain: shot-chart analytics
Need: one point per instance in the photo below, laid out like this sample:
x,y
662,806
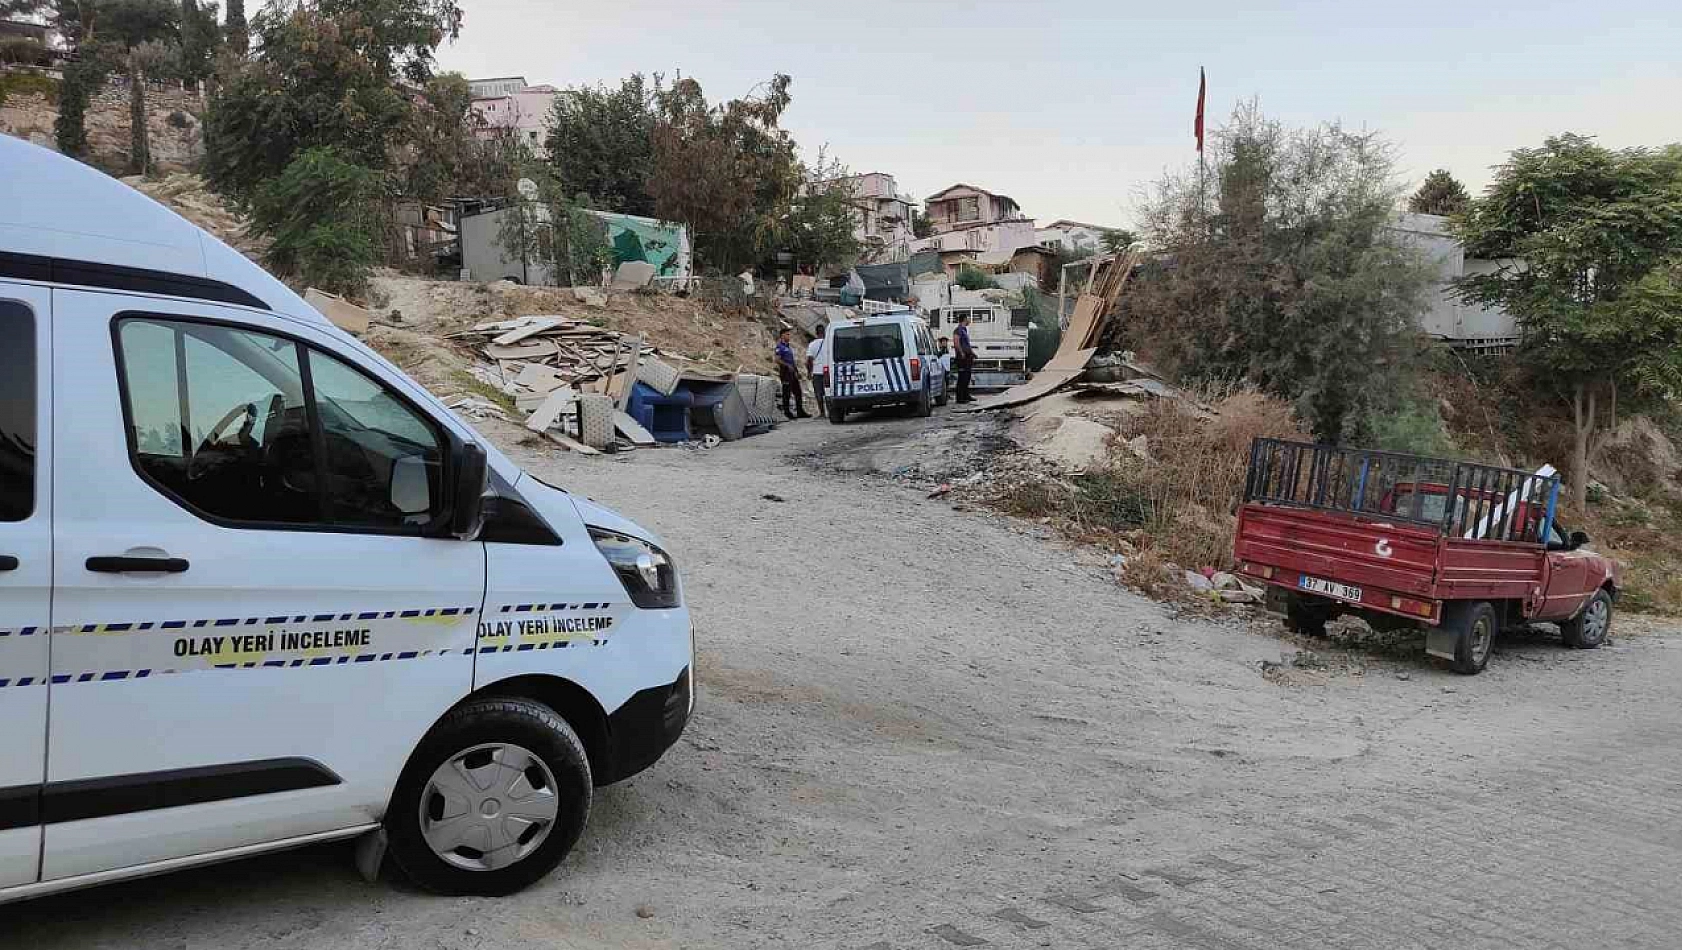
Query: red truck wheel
x,y
1589,628
1474,625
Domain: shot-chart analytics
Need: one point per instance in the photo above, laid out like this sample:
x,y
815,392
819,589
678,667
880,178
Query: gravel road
x,y
925,727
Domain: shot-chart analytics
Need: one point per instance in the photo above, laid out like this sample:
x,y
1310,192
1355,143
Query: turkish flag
x,y
1202,89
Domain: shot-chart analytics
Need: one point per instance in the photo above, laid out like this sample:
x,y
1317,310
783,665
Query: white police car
x,y
882,359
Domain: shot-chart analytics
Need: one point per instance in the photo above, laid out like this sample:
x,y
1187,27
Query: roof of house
x,y
473,82
1065,222
948,190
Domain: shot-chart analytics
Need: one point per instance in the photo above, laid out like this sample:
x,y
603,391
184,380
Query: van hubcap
x,y
489,806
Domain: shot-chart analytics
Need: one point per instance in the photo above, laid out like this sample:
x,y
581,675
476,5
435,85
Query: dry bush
x,y
1185,497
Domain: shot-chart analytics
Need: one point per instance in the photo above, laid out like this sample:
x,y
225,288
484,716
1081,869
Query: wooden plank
x,y
521,332
1056,374
625,387
498,326
529,402
631,429
525,350
539,378
547,413
343,314
1083,323
571,443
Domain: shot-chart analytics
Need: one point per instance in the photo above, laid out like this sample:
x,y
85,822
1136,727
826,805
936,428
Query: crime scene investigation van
x,y
259,589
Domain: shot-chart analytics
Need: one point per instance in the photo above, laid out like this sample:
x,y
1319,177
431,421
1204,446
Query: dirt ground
x,y
923,725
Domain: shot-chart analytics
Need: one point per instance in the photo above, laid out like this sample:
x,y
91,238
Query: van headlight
x,y
646,571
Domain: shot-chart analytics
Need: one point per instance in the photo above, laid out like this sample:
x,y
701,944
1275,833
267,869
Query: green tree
x,y
322,214
1439,194
921,226
451,151
237,32
85,71
970,277
143,33
1594,237
555,233
1280,268
325,76
200,40
820,229
601,143
728,171
1116,240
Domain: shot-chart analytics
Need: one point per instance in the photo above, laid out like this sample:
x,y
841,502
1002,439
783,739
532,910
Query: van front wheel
x,y
494,798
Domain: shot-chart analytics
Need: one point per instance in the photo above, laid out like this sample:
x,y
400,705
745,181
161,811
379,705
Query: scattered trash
x,y
943,489
1197,581
645,911
770,497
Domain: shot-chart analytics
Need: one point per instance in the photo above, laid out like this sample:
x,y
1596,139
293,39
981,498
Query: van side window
x,y
247,428
17,411
218,421
385,464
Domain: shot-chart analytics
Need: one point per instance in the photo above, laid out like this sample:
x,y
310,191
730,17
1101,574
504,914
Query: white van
x,y
882,359
272,591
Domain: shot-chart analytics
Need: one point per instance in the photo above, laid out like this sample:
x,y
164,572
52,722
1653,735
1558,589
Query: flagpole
x,y
1202,197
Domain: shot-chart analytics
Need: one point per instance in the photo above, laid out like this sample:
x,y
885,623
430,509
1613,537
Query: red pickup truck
x,y
1460,549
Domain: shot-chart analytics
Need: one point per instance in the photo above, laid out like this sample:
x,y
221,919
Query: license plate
x,y
1329,588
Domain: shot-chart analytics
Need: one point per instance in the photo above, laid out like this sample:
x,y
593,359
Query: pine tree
x,y
1440,194
239,34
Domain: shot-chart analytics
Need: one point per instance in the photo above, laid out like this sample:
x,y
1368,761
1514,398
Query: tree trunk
x,y
1582,424
140,152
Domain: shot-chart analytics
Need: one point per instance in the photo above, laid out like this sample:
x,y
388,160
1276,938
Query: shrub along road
x,y
920,727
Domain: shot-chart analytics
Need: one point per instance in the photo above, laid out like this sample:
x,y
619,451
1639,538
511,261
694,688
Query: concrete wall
x,y
172,119
484,258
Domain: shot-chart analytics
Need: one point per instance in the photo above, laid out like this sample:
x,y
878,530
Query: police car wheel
x,y
925,405
495,796
837,415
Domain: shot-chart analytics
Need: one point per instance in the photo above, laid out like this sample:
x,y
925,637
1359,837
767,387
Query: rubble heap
x,y
592,389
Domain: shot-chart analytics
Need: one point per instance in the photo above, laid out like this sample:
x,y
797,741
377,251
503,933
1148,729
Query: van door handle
x,y
8,563
137,565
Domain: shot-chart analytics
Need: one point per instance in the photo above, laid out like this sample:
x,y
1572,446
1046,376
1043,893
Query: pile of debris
x,y
591,389
1073,362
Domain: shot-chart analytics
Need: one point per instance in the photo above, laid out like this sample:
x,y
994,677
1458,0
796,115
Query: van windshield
x,y
879,342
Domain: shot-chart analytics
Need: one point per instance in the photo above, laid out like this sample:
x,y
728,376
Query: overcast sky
x,y
1069,107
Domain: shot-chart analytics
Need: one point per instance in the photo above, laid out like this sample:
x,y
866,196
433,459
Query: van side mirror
x,y
411,491
1578,539
467,514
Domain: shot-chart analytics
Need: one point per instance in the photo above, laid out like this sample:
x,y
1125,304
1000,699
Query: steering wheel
x,y
249,410
195,470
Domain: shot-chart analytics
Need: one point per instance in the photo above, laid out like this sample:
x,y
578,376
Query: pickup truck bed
x,y
1403,569
1461,549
